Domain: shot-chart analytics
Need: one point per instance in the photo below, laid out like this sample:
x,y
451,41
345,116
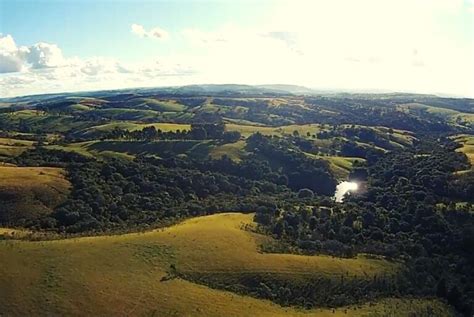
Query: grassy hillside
x,y
235,151
454,117
467,142
340,166
27,192
13,147
130,275
131,126
158,105
223,233
247,130
33,120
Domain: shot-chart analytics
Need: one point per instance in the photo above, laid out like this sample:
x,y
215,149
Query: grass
x,y
400,138
163,148
247,130
127,114
14,147
467,142
80,148
157,105
167,105
30,191
235,151
129,274
340,166
223,233
453,116
87,149
36,119
131,126
11,233
128,149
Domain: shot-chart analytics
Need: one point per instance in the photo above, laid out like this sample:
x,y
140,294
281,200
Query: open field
x,y
33,119
235,151
13,147
131,126
247,130
158,105
467,142
128,149
80,147
453,116
129,274
30,191
340,166
11,233
223,233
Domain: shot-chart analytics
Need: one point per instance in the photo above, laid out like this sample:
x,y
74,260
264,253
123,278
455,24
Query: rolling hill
x,y
130,274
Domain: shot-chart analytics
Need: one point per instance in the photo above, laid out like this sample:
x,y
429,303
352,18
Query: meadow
x,y
467,142
134,274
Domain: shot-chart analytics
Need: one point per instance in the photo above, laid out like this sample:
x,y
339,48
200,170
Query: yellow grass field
x,y
340,166
235,151
13,147
31,190
467,142
131,126
126,275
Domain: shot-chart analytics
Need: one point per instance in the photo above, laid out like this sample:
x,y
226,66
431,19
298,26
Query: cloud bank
x,y
42,68
16,59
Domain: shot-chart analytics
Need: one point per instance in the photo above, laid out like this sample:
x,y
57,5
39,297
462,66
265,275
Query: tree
x,y
441,289
231,136
305,193
198,133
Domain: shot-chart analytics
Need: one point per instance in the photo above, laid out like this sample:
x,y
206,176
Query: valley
x,y
219,200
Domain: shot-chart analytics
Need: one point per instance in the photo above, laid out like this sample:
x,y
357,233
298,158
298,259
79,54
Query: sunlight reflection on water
x,y
343,188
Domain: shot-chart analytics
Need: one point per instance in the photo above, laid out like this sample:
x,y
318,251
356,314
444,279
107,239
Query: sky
x,y
422,46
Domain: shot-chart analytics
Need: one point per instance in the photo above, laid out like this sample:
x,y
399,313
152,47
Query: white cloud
x,y
138,30
42,68
155,33
44,55
11,57
16,59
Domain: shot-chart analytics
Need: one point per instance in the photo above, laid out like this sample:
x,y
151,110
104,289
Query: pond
x,y
343,188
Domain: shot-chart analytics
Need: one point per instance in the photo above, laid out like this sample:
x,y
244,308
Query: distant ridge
x,y
227,90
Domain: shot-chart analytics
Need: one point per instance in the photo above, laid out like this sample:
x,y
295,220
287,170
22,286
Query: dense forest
x,y
406,212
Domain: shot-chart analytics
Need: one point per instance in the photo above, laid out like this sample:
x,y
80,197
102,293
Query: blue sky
x,y
406,45
84,28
